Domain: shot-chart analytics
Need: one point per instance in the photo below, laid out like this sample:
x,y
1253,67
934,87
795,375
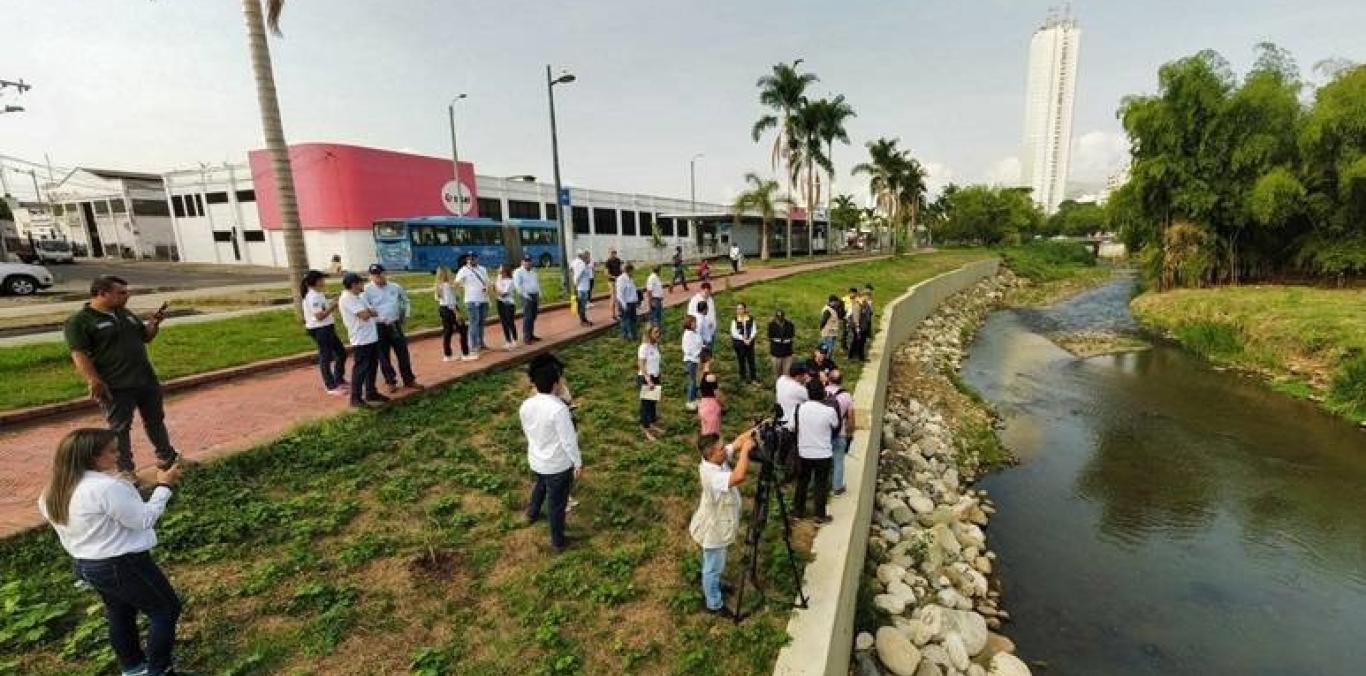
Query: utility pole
x,y
560,202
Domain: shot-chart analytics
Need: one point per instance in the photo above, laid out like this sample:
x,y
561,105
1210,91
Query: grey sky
x,y
163,84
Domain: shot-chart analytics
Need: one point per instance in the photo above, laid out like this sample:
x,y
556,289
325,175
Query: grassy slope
x,y
1303,338
373,542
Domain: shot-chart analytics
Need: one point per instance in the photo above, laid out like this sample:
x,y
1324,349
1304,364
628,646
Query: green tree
x,y
760,198
1075,219
831,115
845,215
784,92
988,215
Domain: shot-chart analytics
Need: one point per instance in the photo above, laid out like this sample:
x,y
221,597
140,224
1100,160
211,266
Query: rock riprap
x,y
928,545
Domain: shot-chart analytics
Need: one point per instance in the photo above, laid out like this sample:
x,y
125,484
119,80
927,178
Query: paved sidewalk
x,y
225,418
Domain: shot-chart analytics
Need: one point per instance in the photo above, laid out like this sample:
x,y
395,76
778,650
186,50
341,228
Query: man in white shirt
x,y
475,281
734,258
391,305
717,518
789,391
706,320
817,423
359,318
581,275
654,288
552,447
628,302
527,284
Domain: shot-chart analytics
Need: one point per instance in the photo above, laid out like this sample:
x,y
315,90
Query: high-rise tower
x,y
1048,109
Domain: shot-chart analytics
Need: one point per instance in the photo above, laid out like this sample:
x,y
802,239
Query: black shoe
x,y
377,398
727,588
722,612
559,549
532,519
414,385
167,464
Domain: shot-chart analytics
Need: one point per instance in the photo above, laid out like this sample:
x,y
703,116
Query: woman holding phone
x,y
452,321
105,525
321,327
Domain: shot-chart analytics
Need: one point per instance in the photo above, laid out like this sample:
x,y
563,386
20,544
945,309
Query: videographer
x,y
109,530
714,524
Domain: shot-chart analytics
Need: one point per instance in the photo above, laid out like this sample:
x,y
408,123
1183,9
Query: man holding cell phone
x,y
108,345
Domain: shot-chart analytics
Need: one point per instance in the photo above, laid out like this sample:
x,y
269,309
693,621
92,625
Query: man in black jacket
x,y
781,335
613,265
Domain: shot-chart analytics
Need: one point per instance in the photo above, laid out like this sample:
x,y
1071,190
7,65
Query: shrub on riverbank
x,y
1055,269
1310,340
383,542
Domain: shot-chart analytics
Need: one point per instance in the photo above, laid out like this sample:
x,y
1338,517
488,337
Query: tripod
x,y
768,481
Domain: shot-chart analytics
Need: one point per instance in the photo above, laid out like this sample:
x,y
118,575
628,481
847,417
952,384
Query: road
x,y
159,274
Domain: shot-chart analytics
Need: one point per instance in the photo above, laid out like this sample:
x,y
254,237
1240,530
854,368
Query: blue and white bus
x,y
428,242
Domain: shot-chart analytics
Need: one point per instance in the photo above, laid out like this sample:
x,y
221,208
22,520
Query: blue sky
x,y
162,84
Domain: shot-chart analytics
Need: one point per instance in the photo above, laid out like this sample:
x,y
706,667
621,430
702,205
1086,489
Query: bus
x,y
432,241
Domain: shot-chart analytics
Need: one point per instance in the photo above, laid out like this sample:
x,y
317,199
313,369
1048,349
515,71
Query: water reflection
x,y
1168,518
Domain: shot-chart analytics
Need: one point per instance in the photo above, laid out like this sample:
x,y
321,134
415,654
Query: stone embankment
x,y
939,609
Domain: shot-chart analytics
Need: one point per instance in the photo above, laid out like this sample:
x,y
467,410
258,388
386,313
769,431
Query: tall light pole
x,y
455,157
560,202
692,196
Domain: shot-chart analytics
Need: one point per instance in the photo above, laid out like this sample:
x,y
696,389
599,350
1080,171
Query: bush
x,y
1210,340
1348,391
1047,260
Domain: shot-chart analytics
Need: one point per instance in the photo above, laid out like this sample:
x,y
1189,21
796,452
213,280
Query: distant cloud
x,y
1005,171
1096,155
939,175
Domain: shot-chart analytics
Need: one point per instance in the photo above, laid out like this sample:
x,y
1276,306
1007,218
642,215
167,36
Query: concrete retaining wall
x,y
823,634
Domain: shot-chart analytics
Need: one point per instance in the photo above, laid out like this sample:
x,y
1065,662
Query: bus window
x,y
423,235
389,230
539,237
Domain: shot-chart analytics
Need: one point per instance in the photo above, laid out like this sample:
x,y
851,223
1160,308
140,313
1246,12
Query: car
x,y
22,279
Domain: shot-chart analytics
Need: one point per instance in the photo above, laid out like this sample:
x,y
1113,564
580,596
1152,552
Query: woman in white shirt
x,y
106,527
507,307
648,378
692,355
452,321
321,327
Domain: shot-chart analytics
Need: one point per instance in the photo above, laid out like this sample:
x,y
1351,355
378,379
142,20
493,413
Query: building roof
x,y
117,173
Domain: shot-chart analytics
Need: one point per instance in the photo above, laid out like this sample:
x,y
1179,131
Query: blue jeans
x,y
627,320
478,312
828,344
713,564
130,584
583,304
530,304
839,448
657,311
690,368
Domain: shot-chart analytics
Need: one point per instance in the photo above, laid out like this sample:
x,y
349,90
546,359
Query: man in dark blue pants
x,y
552,447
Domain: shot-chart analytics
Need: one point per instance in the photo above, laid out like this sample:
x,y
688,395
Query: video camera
x,y
775,444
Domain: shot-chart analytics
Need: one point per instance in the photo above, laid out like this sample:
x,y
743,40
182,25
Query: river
x,y
1167,517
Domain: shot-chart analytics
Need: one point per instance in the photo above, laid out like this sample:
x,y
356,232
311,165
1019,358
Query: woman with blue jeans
x,y
104,524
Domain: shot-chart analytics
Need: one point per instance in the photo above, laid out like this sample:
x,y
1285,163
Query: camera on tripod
x,y
775,447
775,444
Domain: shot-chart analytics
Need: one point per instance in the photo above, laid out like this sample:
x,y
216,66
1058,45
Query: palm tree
x,y
884,172
831,115
296,256
783,91
761,198
844,214
911,191
806,154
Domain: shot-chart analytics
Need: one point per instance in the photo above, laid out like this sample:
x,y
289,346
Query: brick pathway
x,y
229,417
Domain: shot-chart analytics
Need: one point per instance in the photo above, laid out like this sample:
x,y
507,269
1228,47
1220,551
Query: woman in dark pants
x,y
105,525
648,375
452,322
321,327
507,307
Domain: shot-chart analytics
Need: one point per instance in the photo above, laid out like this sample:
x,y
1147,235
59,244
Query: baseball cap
x,y
472,254
526,257
376,268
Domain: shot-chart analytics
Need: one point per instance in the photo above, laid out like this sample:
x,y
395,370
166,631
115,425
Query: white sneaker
x,y
691,406
473,356
447,358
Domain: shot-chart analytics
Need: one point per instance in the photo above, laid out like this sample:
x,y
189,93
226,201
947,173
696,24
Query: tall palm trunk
x,y
296,256
788,243
763,245
811,198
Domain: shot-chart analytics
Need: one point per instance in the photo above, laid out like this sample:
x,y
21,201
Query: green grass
x,y
1055,270
380,542
1315,337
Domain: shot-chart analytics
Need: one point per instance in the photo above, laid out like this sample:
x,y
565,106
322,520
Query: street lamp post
x,y
560,203
692,196
455,157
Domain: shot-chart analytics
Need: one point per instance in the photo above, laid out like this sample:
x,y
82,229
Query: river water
x,y
1168,518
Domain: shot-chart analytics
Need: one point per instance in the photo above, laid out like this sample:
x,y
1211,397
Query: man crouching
x,y
718,513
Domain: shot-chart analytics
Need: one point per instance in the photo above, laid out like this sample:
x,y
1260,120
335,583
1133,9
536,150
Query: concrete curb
x,y
823,633
25,415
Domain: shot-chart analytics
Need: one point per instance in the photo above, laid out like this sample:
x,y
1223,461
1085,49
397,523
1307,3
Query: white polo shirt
x,y
692,346
627,293
313,303
582,273
388,301
526,282
816,431
552,443
788,393
475,280
360,331
654,285
649,352
106,518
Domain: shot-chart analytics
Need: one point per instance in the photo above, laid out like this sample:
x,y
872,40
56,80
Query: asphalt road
x,y
72,282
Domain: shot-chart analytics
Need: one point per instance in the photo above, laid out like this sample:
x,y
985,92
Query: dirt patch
x,y
436,566
1085,344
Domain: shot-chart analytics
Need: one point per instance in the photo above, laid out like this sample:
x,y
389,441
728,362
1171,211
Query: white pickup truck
x,y
22,279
